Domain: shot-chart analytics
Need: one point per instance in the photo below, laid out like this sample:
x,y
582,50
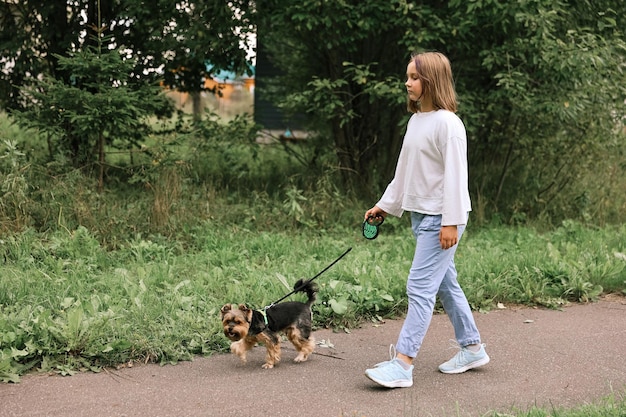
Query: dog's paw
x,y
301,358
267,366
239,349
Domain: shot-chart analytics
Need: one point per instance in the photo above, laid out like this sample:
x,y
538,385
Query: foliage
x,y
210,32
520,266
99,107
67,302
542,92
219,149
165,39
340,66
541,87
14,187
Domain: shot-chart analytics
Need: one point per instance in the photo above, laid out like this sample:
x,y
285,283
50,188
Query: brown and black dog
x,y
246,327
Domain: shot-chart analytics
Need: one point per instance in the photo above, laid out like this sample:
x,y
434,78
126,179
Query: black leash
x,y
305,283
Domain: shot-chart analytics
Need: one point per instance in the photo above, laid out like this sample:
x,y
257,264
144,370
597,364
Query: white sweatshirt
x,y
431,174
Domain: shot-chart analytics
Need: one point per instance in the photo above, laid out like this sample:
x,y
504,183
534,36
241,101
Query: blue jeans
x,y
433,274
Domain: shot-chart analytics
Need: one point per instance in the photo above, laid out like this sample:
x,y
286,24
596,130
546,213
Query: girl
x,y
431,183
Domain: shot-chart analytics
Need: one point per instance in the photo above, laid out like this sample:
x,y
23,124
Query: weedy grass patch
x,y
613,405
68,303
519,265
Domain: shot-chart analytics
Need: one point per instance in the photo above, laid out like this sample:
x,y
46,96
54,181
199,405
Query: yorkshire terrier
x,y
246,327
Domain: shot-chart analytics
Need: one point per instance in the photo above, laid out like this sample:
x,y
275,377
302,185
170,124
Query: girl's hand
x,y
375,212
448,237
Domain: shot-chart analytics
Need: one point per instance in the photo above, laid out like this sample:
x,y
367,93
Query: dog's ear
x,y
225,309
246,311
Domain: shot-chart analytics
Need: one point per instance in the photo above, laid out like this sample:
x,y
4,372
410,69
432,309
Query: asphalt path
x,y
539,357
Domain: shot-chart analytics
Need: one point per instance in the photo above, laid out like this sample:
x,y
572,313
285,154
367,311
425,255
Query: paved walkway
x,y
538,357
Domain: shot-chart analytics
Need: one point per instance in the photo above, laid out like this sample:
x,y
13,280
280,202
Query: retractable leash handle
x,y
370,226
305,283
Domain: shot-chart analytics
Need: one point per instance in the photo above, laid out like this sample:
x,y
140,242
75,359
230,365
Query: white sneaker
x,y
465,360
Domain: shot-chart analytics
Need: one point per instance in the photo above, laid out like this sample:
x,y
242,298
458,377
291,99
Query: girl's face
x,y
413,83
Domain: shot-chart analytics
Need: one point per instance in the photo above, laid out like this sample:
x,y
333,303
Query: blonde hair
x,y
435,73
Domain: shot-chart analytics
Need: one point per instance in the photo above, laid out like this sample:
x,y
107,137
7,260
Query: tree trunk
x,y
101,160
196,100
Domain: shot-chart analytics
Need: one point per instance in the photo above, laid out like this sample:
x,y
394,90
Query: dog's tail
x,y
310,288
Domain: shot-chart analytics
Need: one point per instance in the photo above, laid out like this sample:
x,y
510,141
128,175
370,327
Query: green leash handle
x,y
371,225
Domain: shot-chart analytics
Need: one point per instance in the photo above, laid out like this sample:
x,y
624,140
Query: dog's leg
x,y
241,348
304,346
272,345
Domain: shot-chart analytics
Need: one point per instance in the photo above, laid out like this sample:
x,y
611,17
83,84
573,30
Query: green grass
x,y
613,405
69,303
519,265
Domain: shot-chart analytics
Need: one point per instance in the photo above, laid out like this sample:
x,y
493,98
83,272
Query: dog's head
x,y
236,321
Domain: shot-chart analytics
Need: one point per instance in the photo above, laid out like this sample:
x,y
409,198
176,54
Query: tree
x,y
170,39
189,40
342,66
542,89
99,108
166,41
30,34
